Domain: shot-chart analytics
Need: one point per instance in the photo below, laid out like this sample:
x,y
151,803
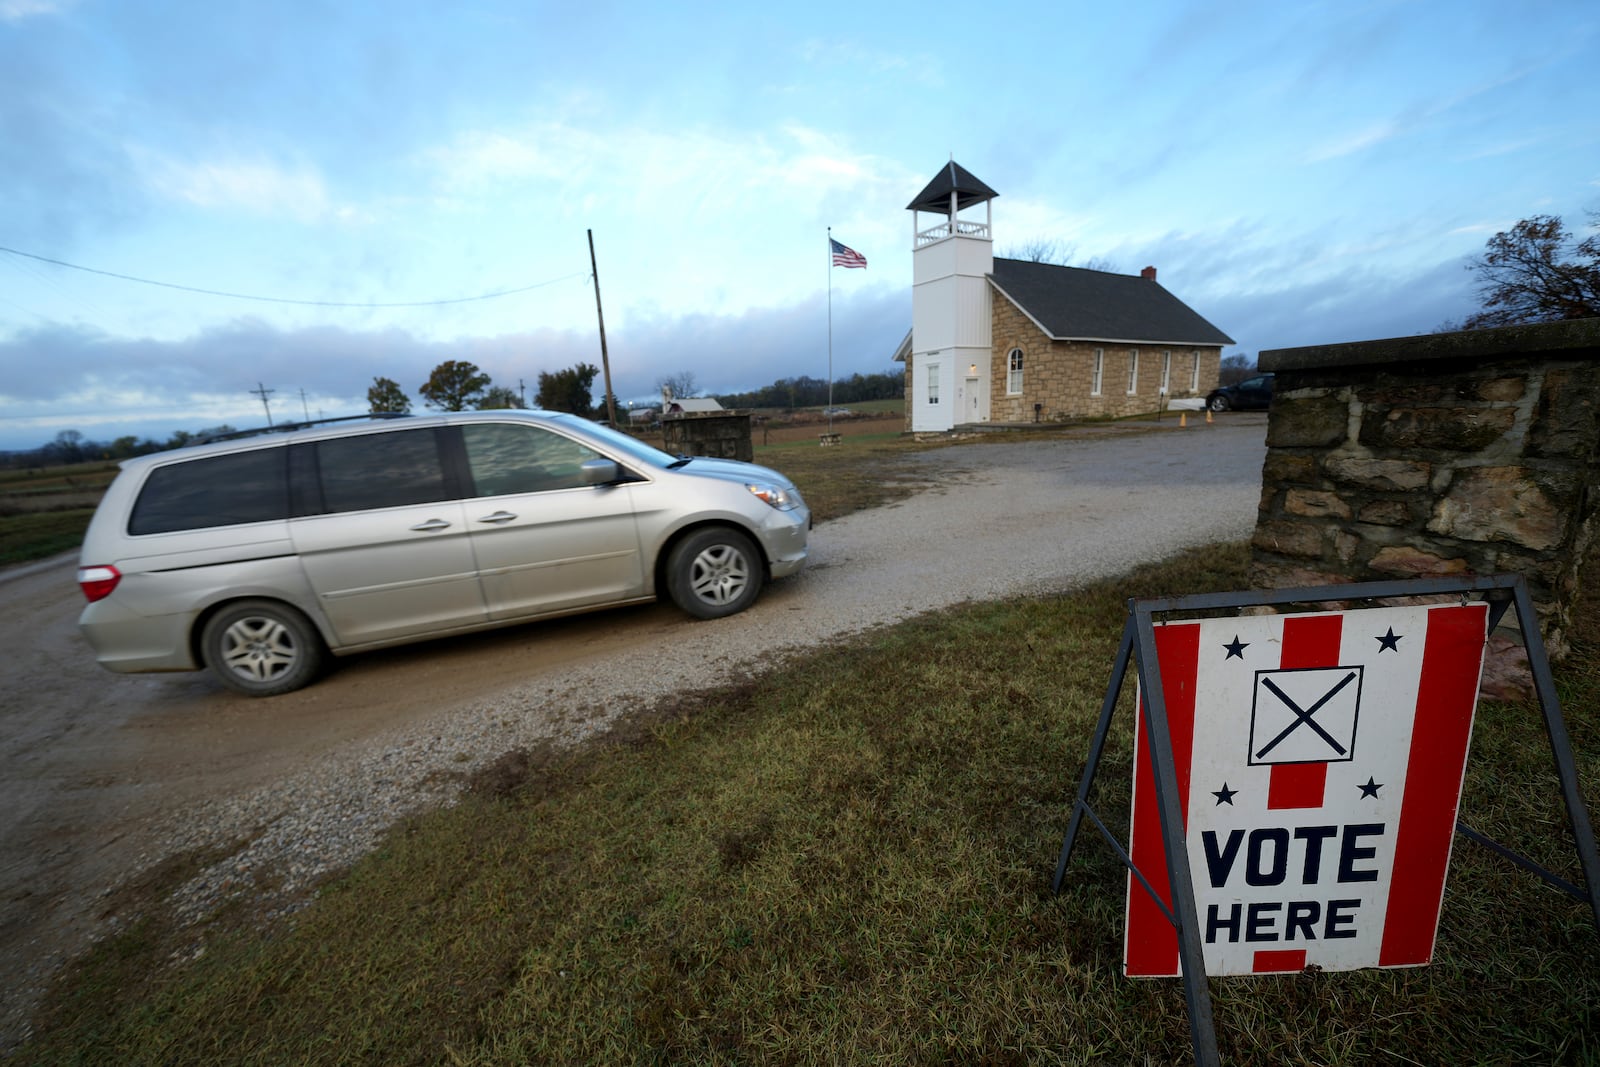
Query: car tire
x,y
715,573
262,648
1218,403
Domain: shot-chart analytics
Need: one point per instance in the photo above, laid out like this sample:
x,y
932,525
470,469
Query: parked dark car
x,y
1253,393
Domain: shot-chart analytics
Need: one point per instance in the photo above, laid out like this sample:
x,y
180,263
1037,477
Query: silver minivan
x,y
257,557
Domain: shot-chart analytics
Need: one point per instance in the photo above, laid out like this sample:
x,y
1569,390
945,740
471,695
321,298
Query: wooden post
x,y
605,359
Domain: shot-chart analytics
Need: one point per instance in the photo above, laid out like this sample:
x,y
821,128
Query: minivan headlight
x,y
779,497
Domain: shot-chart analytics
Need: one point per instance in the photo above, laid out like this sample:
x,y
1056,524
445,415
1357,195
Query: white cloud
x,y
16,10
1353,143
662,171
919,68
254,186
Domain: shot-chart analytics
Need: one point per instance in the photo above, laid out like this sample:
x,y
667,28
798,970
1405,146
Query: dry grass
x,y
843,861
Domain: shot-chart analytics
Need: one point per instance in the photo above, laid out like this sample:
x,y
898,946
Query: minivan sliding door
x,y
390,556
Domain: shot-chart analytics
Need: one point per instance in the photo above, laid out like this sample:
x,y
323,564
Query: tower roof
x,y
952,177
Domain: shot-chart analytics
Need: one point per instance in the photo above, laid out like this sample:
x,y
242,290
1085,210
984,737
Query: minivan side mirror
x,y
600,472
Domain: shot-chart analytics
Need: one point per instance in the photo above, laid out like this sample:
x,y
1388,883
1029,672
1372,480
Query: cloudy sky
x,y
1300,173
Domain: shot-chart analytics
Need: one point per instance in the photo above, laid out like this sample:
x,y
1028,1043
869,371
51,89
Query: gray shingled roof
x,y
952,177
1075,304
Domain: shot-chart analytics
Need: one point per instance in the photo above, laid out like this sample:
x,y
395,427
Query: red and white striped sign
x,y
1319,762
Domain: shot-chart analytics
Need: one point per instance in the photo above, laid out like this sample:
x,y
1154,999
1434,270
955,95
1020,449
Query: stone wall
x,y
1432,456
723,435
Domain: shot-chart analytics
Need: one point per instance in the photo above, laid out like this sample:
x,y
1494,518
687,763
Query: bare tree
x,y
682,384
1528,274
1041,250
1236,368
1059,253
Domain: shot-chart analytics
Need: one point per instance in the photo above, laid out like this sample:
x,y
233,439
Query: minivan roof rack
x,y
289,427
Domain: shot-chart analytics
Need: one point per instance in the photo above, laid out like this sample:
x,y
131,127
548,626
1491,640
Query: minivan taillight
x,y
98,582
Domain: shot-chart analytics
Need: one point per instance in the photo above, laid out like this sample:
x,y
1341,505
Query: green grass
x,y
44,511
37,535
845,860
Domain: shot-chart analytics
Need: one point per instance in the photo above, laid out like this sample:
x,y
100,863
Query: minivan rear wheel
x,y
714,573
262,648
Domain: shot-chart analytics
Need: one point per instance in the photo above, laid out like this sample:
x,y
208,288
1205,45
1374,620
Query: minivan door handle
x,y
498,517
431,525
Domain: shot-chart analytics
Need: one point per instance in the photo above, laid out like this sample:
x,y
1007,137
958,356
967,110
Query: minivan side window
x,y
215,491
506,458
381,470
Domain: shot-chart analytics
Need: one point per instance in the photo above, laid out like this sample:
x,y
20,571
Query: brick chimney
x,y
1148,274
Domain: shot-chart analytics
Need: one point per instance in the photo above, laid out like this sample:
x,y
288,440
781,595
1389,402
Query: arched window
x,y
1014,372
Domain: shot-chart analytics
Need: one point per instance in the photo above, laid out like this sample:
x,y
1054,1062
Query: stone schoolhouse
x,y
1010,341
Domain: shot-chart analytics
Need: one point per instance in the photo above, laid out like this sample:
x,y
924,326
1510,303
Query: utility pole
x,y
605,359
304,406
522,392
263,392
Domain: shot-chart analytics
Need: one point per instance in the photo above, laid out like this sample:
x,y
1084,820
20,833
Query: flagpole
x,y
830,329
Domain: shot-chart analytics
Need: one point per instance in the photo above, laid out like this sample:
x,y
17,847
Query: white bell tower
x,y
950,337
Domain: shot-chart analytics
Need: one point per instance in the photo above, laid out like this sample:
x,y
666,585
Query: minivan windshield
x,y
617,441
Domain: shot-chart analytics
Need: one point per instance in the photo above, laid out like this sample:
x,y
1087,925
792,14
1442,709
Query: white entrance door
x,y
974,411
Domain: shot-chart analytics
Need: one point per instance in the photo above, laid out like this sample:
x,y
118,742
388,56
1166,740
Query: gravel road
x,y
105,776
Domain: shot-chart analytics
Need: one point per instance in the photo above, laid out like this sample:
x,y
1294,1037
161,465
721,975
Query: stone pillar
x,y
720,435
1441,455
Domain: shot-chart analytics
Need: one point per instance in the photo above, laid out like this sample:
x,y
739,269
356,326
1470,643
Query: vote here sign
x,y
1319,761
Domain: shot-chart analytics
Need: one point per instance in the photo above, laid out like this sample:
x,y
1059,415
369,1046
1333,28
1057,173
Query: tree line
x,y
458,385
807,392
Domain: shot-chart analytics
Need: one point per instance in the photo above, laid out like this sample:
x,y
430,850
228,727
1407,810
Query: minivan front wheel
x,y
715,572
262,648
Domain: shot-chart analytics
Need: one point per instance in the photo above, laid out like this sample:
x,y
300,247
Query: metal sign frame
x,y
1138,644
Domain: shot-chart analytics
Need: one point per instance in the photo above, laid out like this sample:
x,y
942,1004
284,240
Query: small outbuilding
x,y
688,405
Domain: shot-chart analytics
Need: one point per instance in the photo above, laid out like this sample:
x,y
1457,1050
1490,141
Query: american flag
x,y
846,257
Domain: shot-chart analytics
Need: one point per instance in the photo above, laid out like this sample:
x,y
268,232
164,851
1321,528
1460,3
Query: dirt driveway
x,y
96,768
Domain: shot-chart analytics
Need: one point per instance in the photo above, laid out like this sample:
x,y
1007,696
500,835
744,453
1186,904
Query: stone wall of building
x,y
1059,375
724,435
1440,455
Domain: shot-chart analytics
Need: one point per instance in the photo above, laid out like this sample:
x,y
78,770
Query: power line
x,y
285,300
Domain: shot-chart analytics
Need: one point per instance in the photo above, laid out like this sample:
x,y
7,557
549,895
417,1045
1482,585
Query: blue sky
x,y
1299,173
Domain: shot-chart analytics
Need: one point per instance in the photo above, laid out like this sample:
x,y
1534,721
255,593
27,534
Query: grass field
x,y
844,860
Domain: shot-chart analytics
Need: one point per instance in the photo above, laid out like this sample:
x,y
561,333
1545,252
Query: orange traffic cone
x,y
1208,416
1183,419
